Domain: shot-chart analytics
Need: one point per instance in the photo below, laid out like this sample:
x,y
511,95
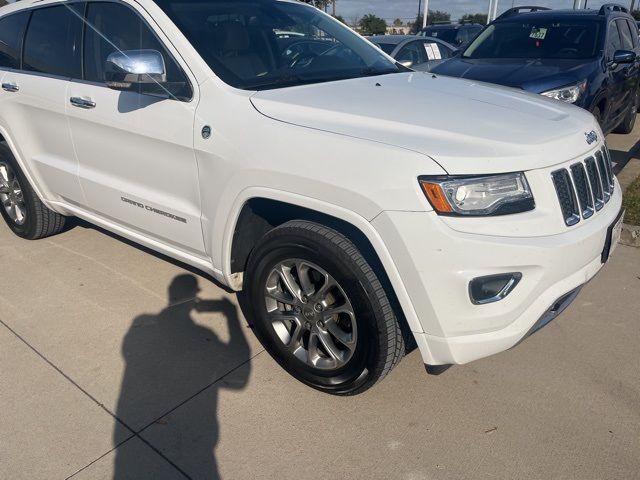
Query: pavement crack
x,y
99,404
106,267
203,389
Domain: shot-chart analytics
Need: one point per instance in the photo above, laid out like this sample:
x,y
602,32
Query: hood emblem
x,y
592,137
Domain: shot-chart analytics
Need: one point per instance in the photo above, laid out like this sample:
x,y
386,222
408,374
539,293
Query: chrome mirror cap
x,y
124,70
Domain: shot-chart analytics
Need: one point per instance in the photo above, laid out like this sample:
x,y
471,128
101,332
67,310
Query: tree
x,y
416,26
636,14
321,4
438,16
397,22
434,16
340,18
480,18
373,25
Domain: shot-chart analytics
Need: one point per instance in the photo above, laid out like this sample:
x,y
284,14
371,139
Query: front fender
x,y
226,236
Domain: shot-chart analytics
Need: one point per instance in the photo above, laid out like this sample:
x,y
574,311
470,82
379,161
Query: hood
x,y
467,127
533,75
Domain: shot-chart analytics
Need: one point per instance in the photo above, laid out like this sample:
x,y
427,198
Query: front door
x,y
618,74
137,165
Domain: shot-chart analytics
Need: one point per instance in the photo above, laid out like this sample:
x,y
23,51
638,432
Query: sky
x,y
407,9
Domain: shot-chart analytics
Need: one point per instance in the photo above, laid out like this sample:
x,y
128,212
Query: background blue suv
x,y
590,58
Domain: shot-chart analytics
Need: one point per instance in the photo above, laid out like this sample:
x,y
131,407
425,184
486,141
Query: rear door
x,y
630,71
34,87
618,76
135,150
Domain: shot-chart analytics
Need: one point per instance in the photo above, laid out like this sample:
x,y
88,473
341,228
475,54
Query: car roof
x,y
562,13
398,39
392,39
445,26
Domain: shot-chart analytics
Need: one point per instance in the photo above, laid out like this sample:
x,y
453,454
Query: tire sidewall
x,y
347,274
25,229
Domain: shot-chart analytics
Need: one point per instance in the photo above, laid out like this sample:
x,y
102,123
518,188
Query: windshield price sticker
x,y
433,51
538,33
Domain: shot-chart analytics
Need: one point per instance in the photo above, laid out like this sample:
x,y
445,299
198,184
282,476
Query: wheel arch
x,y
6,137
257,212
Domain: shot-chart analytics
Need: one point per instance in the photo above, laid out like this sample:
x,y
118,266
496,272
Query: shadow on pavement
x,y
169,359
621,158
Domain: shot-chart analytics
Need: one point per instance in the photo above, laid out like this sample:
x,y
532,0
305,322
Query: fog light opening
x,y
493,288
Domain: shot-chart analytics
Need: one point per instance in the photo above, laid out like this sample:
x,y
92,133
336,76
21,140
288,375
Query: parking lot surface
x,y
109,371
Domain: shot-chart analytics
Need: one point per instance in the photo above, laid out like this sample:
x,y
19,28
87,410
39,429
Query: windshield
x,y
387,48
448,34
554,39
265,44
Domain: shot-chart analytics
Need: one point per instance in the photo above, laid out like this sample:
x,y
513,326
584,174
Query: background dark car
x,y
586,57
458,35
418,53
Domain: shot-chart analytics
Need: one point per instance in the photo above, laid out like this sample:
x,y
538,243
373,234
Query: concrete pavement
x,y
109,371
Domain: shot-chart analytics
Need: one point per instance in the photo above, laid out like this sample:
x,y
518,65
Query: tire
x,y
21,208
630,118
366,334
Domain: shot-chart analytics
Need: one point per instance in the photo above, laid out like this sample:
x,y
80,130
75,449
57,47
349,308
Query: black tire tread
x,y
46,222
394,348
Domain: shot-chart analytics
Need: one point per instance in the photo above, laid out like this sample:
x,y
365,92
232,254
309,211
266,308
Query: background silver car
x,y
418,53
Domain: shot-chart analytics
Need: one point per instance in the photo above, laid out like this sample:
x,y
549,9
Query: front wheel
x,y
320,310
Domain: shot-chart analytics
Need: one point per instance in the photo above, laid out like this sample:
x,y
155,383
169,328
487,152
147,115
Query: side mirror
x,y
132,70
407,63
623,56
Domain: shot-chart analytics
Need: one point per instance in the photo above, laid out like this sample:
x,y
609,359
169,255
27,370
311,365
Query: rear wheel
x,y
630,118
21,208
320,310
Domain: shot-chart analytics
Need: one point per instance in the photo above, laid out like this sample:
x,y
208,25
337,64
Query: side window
x,y
633,28
52,43
613,40
113,27
412,53
625,34
462,37
440,51
11,35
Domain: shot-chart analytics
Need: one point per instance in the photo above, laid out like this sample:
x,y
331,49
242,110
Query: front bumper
x,y
437,263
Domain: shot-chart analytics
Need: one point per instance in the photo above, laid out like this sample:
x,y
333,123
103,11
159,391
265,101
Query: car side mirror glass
x,y
623,56
135,70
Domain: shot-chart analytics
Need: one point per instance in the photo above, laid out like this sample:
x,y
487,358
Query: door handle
x,y
10,87
81,102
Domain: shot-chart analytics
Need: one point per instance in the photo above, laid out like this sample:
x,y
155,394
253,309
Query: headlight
x,y
569,94
476,196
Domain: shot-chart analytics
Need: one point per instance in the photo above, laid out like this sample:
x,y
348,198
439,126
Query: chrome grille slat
x,y
585,199
595,182
609,164
584,187
604,176
567,196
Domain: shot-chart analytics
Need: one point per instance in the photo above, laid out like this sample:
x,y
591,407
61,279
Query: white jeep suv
x,y
361,207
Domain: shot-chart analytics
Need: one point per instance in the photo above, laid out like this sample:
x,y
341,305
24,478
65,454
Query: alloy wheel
x,y
311,314
11,195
